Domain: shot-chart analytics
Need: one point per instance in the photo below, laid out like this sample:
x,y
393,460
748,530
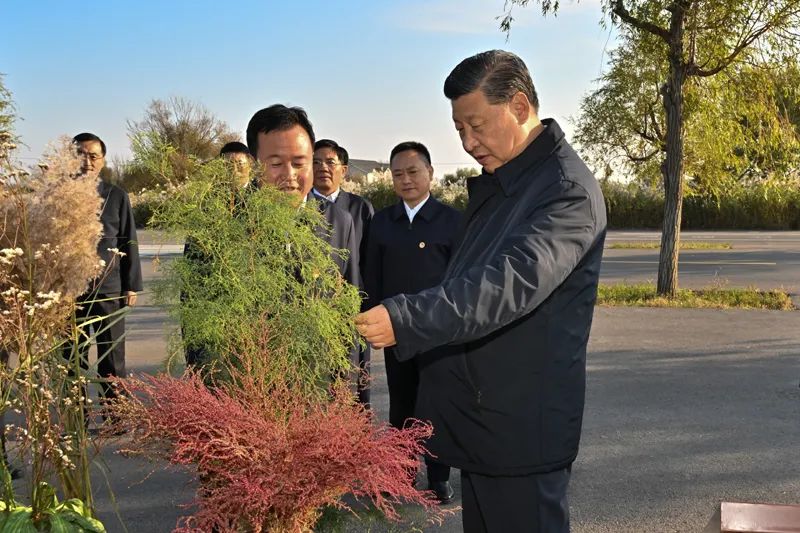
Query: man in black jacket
x,y
281,139
516,301
122,277
408,249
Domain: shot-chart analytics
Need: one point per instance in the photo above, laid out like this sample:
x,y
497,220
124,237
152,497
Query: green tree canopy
x,y
741,125
698,39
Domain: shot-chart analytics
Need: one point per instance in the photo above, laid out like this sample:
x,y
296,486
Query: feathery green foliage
x,y
255,264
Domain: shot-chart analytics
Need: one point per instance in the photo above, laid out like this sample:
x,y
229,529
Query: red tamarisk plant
x,y
270,461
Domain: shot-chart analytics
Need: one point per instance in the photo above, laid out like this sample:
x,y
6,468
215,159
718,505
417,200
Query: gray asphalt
x,y
767,260
685,408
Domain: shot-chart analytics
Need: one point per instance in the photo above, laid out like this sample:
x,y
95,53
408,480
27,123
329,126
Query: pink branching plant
x,y
268,460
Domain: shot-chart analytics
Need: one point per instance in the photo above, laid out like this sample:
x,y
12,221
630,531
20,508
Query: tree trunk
x,y
672,169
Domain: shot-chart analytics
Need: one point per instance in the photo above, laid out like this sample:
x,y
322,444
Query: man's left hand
x,y
375,326
130,298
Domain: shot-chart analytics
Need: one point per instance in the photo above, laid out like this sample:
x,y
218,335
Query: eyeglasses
x,y
89,155
325,162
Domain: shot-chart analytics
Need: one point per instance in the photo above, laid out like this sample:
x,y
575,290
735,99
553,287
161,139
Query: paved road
x,y
685,408
767,260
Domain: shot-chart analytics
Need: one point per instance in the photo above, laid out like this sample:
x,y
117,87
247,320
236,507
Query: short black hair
x,y
497,73
341,153
411,145
84,137
234,147
276,117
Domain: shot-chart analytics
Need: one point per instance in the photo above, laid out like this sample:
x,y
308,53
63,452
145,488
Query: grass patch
x,y
644,295
655,245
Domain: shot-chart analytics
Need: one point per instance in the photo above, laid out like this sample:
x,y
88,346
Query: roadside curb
x,y
152,250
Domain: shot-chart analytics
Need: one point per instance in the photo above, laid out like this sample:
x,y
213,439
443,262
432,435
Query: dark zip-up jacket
x,y
516,308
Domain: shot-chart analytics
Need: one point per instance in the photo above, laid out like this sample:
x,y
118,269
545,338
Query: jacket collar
x,y
427,211
514,173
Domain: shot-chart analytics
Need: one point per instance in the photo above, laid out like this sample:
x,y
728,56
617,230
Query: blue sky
x,y
369,73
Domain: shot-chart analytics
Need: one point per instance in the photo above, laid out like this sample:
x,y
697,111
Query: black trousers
x,y
109,337
536,503
403,381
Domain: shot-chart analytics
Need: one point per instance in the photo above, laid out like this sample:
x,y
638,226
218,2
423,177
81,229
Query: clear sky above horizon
x,y
369,73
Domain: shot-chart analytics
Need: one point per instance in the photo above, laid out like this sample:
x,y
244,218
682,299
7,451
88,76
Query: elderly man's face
x,y
328,171
411,177
491,133
90,154
285,157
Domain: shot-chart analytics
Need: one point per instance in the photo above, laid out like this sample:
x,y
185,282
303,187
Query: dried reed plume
x,y
49,230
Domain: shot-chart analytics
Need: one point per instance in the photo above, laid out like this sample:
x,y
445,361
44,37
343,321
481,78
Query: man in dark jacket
x,y
281,139
122,277
408,249
516,301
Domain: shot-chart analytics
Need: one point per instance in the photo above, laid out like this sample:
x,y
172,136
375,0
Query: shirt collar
x,y
511,175
331,197
412,211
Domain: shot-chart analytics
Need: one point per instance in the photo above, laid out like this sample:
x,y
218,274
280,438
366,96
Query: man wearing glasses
x,y
330,167
117,286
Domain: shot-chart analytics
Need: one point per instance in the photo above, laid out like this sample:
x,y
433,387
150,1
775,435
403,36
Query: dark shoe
x,y
443,491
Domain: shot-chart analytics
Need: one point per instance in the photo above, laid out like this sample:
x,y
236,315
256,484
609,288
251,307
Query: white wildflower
x,y
11,252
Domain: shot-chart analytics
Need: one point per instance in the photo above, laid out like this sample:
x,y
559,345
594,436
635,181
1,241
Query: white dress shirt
x,y
412,211
332,198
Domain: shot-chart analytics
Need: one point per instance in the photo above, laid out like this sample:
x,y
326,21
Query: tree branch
x,y
621,11
747,39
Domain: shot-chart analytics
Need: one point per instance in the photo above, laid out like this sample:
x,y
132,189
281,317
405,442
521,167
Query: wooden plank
x,y
759,518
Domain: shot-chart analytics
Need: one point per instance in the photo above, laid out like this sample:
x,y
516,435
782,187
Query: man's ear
x,y
520,107
345,168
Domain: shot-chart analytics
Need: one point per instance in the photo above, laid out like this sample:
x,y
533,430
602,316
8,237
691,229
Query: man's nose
x,y
469,143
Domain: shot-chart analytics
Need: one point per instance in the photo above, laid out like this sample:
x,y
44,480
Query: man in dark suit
x,y
122,278
281,139
408,248
516,305
330,168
